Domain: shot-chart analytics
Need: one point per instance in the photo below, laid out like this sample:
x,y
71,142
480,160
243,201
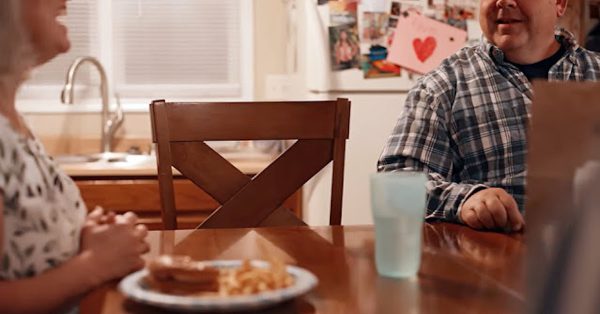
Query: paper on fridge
x,y
373,5
420,43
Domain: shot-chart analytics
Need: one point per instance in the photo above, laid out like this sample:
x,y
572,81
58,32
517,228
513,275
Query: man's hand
x,y
492,208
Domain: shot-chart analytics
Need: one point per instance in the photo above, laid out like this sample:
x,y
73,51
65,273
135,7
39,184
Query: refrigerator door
x,y
319,76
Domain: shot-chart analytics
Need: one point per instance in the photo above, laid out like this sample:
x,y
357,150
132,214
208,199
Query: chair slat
x,y
207,169
256,121
337,184
160,135
339,148
273,185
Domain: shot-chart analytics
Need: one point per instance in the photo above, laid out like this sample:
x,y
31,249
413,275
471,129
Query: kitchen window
x,y
172,49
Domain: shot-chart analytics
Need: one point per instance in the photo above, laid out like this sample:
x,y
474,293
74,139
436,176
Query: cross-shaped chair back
x,y
181,129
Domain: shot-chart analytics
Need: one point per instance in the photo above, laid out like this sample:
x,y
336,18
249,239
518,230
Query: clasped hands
x,y
113,243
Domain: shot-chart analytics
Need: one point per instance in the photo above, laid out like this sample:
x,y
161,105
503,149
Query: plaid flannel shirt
x,y
465,124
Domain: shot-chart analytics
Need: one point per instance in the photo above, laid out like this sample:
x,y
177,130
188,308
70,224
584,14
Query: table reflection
x,y
462,270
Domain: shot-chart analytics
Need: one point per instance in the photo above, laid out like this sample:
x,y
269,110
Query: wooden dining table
x,y
462,270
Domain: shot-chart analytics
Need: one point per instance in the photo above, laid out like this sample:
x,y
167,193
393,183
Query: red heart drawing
x,y
424,48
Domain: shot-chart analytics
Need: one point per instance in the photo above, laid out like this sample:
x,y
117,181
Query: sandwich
x,y
180,275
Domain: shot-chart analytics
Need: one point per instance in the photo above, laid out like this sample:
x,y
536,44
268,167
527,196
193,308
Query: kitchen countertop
x,y
145,166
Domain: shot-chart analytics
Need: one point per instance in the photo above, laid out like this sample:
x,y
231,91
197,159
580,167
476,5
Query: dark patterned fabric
x,y
43,210
465,124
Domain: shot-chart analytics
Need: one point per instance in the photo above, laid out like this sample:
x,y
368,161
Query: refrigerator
x,y
376,106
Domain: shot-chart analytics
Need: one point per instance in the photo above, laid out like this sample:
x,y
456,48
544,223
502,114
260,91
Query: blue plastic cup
x,y
398,207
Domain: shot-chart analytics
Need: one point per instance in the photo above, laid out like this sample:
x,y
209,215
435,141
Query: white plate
x,y
134,288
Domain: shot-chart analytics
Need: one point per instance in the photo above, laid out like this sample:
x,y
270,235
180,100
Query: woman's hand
x,y
113,244
99,217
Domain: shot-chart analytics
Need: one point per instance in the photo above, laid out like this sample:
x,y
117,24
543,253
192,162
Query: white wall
x,y
269,42
372,118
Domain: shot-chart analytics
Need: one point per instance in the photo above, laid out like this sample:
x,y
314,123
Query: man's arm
x,y
422,141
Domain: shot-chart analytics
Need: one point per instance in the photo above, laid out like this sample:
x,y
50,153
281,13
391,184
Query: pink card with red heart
x,y
420,43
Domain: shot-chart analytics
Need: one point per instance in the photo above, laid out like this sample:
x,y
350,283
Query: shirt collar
x,y
564,37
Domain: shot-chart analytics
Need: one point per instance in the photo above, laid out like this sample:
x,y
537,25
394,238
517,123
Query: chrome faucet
x,y
109,125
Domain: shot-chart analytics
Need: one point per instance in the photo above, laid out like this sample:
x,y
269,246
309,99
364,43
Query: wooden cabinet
x,y
142,196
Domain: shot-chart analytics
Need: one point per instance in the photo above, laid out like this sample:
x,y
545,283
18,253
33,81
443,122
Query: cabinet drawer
x,y
143,197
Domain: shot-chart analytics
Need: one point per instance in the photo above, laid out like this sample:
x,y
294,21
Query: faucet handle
x,y
66,95
116,119
119,112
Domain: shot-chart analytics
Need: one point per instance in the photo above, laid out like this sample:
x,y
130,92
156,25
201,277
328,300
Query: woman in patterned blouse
x,y
52,252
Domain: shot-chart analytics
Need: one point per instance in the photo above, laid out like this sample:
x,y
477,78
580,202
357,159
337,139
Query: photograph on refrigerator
x,y
344,47
374,63
374,26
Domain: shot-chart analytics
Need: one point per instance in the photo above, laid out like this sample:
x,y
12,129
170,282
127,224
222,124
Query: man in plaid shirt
x,y
465,122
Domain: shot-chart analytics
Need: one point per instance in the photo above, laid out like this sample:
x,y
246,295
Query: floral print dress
x,y
43,210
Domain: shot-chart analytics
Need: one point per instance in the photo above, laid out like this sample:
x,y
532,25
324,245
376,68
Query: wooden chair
x,y
181,129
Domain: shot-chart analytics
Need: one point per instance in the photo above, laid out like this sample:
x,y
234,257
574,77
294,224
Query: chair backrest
x,y
563,198
180,130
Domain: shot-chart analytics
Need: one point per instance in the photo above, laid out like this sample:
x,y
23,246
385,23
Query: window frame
x,y
46,99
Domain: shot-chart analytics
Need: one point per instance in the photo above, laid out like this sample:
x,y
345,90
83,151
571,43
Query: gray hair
x,y
16,54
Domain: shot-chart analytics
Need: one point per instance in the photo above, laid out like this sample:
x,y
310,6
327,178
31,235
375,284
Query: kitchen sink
x,y
119,159
113,165
111,157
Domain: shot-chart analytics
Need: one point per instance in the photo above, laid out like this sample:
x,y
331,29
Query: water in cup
x,y
398,205
398,250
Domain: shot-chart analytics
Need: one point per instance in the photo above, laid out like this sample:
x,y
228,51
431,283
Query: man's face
x,y
516,26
